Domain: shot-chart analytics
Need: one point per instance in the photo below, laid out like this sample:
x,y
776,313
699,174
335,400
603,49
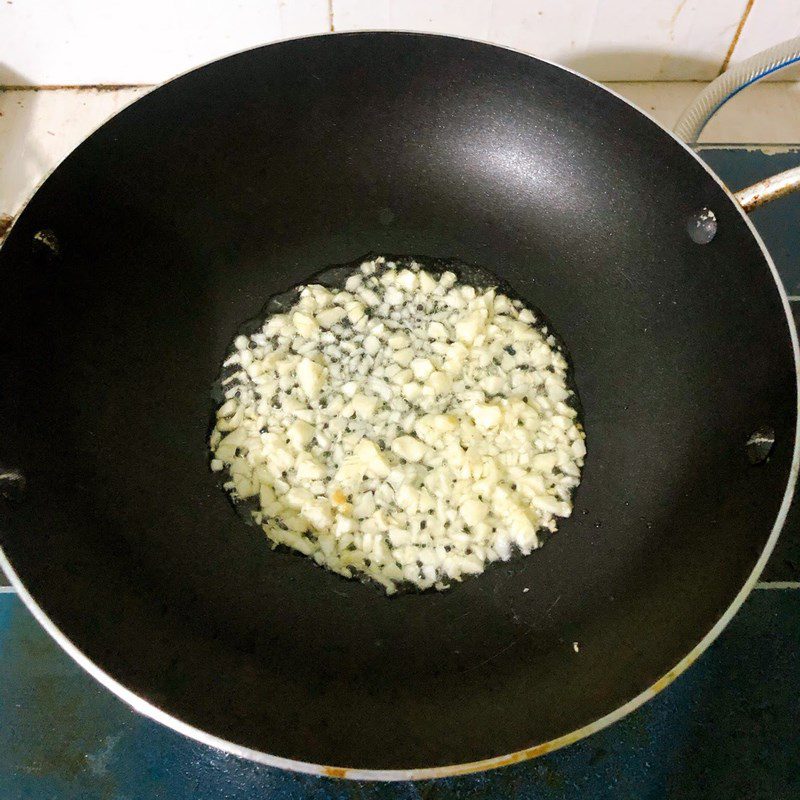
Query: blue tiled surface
x,y
725,729
728,728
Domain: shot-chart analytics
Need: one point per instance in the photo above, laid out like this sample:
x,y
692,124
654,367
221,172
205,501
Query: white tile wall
x,y
766,113
66,42
768,23
606,39
469,18
44,42
39,128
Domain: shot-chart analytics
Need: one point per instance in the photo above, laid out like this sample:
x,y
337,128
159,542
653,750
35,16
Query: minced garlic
x,y
408,427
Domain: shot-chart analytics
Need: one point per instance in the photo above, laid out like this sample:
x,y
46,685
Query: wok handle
x,y
769,189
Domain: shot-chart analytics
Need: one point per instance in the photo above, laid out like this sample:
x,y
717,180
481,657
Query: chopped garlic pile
x,y
407,427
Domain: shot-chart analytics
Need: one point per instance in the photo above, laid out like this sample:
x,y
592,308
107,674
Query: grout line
x,y
53,87
736,35
667,81
113,87
7,590
778,585
330,16
794,298
768,149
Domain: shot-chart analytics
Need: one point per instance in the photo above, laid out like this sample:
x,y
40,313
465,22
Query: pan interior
x,y
179,217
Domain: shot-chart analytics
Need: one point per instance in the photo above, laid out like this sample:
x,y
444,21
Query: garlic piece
x,y
306,326
328,317
409,448
487,416
310,376
365,406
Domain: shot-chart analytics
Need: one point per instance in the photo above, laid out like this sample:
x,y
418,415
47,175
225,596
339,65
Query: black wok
x,y
135,263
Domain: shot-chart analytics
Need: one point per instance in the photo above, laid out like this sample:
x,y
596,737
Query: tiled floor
x,y
726,729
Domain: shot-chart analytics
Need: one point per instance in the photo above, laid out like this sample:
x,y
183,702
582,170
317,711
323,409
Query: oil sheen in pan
x,y
335,277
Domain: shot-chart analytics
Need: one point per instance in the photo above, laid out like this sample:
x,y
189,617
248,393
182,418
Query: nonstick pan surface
x,y
138,259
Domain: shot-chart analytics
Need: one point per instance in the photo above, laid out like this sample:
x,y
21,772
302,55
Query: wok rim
x,y
147,709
